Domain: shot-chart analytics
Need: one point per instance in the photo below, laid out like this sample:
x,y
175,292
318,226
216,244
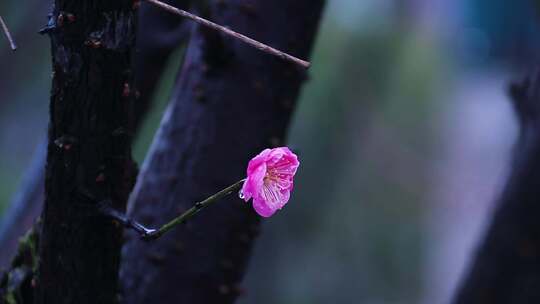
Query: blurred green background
x,y
404,131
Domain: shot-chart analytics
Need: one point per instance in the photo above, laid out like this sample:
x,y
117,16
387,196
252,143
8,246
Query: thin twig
x,y
254,43
184,217
105,207
152,234
8,34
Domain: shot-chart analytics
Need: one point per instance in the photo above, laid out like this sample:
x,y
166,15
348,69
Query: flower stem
x,y
152,234
188,214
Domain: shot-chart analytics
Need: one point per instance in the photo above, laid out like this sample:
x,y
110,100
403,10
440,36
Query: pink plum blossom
x,y
270,180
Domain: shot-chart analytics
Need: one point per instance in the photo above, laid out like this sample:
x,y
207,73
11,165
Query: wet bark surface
x,y
506,268
88,153
230,102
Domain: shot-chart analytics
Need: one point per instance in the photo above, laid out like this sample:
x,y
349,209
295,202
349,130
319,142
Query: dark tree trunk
x,y
507,265
89,155
231,101
161,34
158,36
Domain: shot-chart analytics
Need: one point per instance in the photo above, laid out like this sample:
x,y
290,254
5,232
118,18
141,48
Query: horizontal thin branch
x,y
252,42
188,214
105,207
152,234
8,34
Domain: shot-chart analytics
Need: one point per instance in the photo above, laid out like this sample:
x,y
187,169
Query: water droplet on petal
x,y
241,194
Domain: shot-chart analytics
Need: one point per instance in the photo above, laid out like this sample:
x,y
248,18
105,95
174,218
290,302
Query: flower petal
x,y
283,161
254,182
274,197
258,160
262,208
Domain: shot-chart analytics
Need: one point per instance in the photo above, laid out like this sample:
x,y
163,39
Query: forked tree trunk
x,y
230,102
89,155
506,268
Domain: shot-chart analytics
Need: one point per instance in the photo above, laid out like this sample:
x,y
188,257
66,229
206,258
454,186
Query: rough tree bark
x,y
231,101
506,268
161,34
89,154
